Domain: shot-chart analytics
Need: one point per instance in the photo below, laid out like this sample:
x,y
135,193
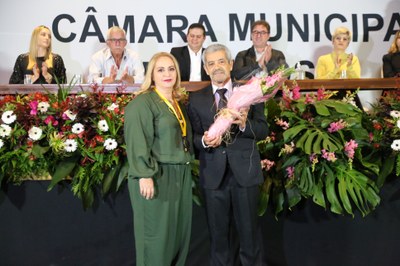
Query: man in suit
x,y
189,56
230,170
260,58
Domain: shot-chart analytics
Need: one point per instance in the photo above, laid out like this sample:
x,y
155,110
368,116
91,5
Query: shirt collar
x,y
108,54
227,86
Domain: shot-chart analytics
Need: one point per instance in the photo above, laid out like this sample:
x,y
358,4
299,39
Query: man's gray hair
x,y
217,47
115,28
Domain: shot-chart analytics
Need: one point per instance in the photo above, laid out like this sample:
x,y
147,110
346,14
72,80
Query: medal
x,y
179,116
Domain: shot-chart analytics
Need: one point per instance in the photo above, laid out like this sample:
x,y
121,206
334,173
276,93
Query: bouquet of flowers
x,y
256,90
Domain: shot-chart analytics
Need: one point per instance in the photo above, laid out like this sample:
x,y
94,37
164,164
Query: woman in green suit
x,y
158,136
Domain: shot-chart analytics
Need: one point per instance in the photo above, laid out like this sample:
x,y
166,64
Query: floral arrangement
x,y
383,123
76,136
256,90
319,148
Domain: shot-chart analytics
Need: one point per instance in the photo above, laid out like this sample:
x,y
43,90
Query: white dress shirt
x,y
195,65
102,61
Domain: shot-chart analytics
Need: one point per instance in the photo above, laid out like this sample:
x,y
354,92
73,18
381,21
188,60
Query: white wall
x,y
18,18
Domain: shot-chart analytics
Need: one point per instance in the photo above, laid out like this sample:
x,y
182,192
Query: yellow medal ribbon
x,y
179,116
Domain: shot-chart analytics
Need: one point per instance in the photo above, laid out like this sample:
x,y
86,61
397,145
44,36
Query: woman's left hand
x,y
349,60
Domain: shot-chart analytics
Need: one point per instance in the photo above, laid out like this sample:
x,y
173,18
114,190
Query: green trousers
x,y
162,225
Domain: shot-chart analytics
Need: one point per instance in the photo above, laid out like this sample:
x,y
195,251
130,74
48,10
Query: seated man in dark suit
x,y
189,56
260,58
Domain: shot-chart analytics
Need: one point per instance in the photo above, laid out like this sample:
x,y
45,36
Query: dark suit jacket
x,y
391,65
245,63
182,56
241,153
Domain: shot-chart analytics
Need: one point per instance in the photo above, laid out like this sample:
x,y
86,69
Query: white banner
x,y
300,29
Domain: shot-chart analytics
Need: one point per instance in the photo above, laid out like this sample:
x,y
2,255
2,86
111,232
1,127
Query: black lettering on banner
x,y
56,25
234,24
328,21
317,28
355,27
178,29
91,21
129,26
149,21
391,28
203,19
292,22
367,28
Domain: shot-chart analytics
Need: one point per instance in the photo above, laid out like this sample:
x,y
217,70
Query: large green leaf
x,y
123,174
63,169
331,195
318,195
293,131
293,196
343,107
265,191
359,187
321,108
109,179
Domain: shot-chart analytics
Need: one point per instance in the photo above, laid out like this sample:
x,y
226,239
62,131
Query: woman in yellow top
x,y
338,63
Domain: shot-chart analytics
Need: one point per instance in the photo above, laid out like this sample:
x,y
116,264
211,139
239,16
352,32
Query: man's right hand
x,y
211,142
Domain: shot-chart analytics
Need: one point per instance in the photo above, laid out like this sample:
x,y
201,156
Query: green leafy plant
x,y
317,149
64,136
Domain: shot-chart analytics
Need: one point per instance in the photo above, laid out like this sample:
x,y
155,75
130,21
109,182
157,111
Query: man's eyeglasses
x,y
259,33
117,40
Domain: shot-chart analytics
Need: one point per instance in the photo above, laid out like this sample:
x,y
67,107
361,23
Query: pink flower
x,y
313,158
309,98
33,105
267,164
51,120
336,126
296,93
329,156
320,94
349,148
281,123
371,136
290,172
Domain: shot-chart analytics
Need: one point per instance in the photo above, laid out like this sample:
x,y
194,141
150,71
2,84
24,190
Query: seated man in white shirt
x,y
116,63
189,56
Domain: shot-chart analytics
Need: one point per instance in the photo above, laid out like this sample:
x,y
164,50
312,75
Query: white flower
x,y
396,145
398,123
8,117
112,107
78,128
1,143
70,145
395,114
5,130
70,115
110,144
35,133
43,107
83,95
103,125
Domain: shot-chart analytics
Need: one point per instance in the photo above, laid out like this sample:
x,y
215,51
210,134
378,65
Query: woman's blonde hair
x,y
341,30
148,83
393,47
33,48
